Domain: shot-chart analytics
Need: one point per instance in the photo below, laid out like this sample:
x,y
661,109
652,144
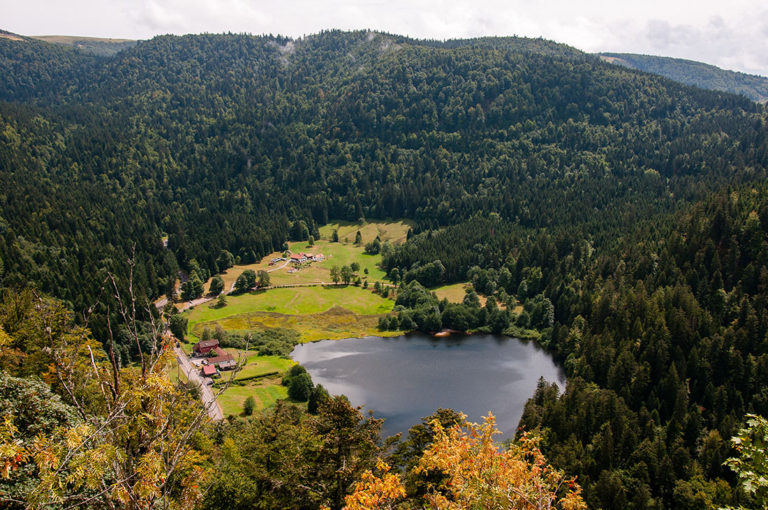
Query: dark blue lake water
x,y
403,379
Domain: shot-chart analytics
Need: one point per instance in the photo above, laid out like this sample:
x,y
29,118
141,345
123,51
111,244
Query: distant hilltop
x,y
694,73
687,72
96,45
101,46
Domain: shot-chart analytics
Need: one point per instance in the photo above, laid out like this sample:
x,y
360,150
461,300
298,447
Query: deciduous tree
x,y
751,465
481,475
335,274
263,280
217,285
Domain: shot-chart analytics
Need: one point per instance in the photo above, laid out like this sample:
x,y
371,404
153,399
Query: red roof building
x,y
209,370
223,359
204,347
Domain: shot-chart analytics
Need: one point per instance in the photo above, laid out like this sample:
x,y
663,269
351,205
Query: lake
x,y
406,378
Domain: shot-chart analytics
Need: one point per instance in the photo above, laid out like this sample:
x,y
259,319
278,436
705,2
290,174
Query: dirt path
x,y
206,393
276,268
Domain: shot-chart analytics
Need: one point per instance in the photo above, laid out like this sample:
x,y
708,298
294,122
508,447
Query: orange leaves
x,y
480,475
477,474
12,454
373,493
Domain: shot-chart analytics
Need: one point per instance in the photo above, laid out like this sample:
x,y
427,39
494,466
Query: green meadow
x,y
307,307
316,312
265,392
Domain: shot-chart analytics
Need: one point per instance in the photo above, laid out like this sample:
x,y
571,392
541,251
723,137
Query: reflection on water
x,y
406,378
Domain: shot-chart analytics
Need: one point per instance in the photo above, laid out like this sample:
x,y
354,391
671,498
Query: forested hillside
x,y
626,211
664,360
220,141
695,73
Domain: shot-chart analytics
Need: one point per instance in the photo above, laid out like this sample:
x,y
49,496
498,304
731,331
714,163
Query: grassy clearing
x,y
295,300
260,365
317,313
71,39
393,231
336,254
230,275
332,324
266,392
453,293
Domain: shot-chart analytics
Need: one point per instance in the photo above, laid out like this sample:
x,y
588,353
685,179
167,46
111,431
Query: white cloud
x,y
731,34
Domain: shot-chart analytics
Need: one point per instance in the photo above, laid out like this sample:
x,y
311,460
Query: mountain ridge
x,y
695,73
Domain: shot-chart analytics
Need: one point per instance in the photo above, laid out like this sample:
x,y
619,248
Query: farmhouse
x,y
204,347
298,258
223,360
210,371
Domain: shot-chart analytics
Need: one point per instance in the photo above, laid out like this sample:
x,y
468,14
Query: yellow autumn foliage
x,y
374,493
480,475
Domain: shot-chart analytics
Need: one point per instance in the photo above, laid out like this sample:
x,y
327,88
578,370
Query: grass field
x,y
259,365
333,324
266,392
336,254
393,231
176,374
317,313
453,293
295,300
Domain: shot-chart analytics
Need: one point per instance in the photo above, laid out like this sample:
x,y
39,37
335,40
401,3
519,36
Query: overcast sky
x,y
732,34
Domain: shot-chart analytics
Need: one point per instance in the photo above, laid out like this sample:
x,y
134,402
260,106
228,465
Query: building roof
x,y
209,370
205,344
221,357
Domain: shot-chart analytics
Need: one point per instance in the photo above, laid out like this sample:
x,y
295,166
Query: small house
x,y
319,257
223,360
298,258
209,371
204,347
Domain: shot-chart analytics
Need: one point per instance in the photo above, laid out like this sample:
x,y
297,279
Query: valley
x,y
265,196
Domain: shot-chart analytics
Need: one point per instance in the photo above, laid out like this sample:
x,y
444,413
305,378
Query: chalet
x,y
298,258
205,346
210,371
319,257
275,261
223,360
